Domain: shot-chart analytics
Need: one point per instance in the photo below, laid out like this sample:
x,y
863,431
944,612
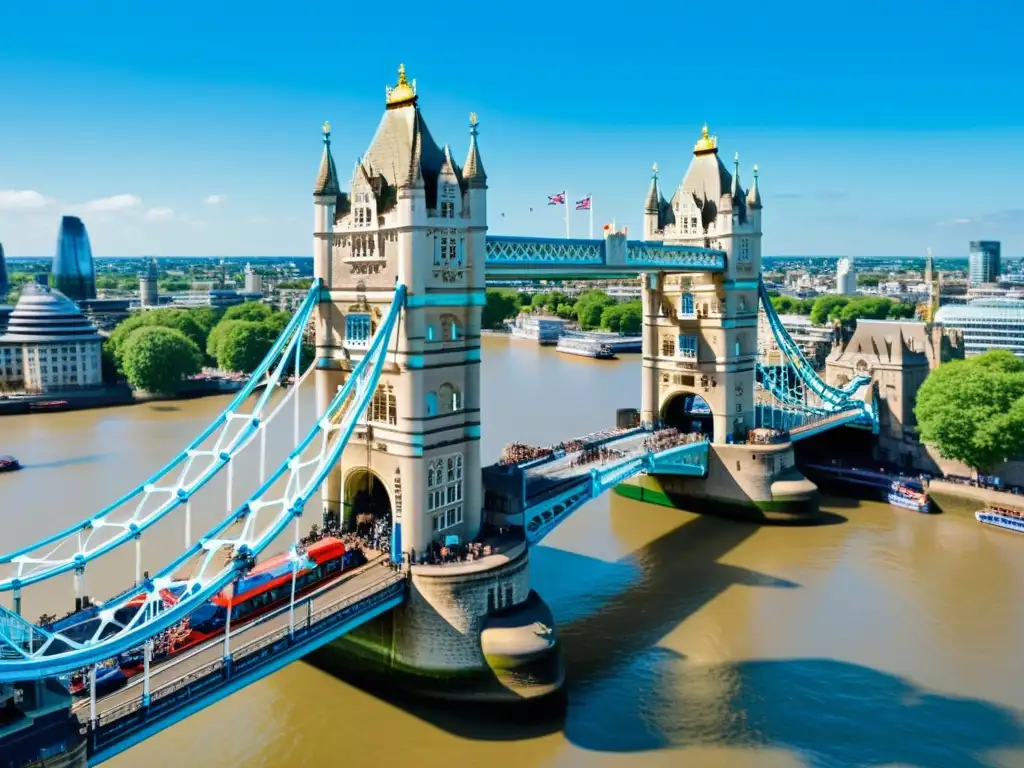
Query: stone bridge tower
x,y
700,331
412,216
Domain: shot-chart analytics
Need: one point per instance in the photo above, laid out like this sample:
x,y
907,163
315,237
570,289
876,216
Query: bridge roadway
x,y
560,473
165,676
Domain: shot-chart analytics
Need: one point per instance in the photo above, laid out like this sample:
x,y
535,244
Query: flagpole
x,y
565,194
590,206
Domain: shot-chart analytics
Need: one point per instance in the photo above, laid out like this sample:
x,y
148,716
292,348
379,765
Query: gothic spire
x,y
653,194
754,195
473,171
327,178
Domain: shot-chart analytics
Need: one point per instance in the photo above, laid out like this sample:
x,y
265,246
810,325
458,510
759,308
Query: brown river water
x,y
883,638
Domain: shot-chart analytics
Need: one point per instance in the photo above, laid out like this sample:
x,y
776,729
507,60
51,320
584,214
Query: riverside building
x,y
49,345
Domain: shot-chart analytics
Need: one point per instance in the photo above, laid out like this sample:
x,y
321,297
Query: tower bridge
x,y
400,261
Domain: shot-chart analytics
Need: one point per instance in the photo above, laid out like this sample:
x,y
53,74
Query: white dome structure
x,y
49,345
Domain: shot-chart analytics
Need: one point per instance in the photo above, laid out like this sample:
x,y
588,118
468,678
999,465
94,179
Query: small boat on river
x,y
1001,517
909,494
9,464
585,348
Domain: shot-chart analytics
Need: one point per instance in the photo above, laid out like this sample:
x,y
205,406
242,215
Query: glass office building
x,y
986,324
983,262
72,265
5,285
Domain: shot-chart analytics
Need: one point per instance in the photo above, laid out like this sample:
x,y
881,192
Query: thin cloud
x,y
111,204
953,223
159,214
23,200
215,199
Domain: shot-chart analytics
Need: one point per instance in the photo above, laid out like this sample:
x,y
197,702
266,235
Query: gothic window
x,y
447,210
429,335
693,223
668,346
450,398
383,407
744,249
357,330
686,305
688,346
450,328
431,404
738,348
444,491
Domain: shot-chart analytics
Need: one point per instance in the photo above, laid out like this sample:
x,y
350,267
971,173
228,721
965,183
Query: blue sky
x,y
194,129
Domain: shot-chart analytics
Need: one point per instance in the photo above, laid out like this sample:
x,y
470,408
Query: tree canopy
x,y
502,304
156,358
191,323
973,410
243,344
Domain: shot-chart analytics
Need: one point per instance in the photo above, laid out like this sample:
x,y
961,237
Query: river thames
x,y
881,638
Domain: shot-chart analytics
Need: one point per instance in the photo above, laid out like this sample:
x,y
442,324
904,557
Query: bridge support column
x,y
327,383
649,381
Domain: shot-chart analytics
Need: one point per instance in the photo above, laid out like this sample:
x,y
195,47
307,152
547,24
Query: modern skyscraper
x,y
73,273
846,277
983,262
5,285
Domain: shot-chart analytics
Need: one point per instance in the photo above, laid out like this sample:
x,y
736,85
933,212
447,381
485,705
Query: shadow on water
x,y
830,713
164,408
92,458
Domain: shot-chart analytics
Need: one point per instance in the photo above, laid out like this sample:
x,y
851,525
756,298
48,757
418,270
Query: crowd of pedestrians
x,y
767,436
670,437
520,453
439,554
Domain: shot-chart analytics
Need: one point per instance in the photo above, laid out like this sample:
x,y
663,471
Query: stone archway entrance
x,y
688,412
367,506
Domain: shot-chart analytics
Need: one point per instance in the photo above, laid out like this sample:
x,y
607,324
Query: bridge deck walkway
x,y
561,473
170,675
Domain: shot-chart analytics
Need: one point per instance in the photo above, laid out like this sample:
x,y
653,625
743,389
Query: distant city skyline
x,y
215,153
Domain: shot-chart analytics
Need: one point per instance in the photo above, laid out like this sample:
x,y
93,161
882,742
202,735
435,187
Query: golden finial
x,y
654,170
403,92
327,128
472,119
755,169
706,142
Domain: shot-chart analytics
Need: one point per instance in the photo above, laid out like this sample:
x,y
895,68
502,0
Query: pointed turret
x,y
473,171
736,189
754,195
653,204
327,178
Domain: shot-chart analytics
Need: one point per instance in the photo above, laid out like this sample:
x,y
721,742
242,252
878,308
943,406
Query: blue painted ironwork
x,y
652,254
511,254
544,515
76,546
131,722
793,396
31,652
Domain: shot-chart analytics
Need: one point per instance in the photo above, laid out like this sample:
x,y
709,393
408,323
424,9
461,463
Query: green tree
x,y
973,410
631,321
501,305
611,317
173,286
277,322
156,359
206,317
251,310
589,308
217,335
243,345
827,308
869,280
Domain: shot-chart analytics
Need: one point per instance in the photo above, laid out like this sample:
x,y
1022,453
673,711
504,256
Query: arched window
x,y
383,407
430,335
431,404
450,398
450,328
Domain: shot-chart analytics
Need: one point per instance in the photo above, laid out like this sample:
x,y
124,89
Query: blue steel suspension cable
x,y
289,341
829,395
34,646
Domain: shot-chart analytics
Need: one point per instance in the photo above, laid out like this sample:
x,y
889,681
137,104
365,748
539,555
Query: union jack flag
x,y
584,204
558,199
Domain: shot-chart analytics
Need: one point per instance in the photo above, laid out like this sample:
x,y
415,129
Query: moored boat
x,y
585,348
9,464
1001,517
909,494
